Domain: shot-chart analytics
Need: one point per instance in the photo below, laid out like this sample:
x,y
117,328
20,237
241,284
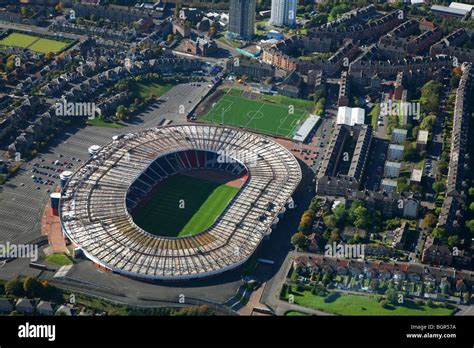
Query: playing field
x,y
184,206
256,114
34,43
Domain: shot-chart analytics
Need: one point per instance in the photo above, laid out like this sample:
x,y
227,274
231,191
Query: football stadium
x,y
178,202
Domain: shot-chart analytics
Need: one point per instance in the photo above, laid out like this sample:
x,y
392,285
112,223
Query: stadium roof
x,y
449,10
95,217
350,116
306,128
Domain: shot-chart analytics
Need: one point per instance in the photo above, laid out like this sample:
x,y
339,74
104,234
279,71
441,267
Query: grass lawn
x,y
34,43
295,314
59,259
260,115
18,40
101,123
203,201
230,42
145,89
47,45
347,304
284,100
374,113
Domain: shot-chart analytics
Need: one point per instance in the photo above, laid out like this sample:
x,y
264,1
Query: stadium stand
x,y
97,200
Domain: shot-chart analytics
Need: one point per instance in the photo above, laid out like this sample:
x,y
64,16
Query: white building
x,y
399,135
392,169
395,152
307,127
422,140
283,13
461,6
388,185
416,175
350,116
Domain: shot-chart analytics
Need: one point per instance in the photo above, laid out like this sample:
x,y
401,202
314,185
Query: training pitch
x,y
256,115
183,206
34,43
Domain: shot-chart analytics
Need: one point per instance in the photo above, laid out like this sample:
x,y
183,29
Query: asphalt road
x,y
22,203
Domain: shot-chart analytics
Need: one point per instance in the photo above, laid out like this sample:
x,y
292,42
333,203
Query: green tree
x,y
470,225
453,241
306,221
374,284
439,232
24,12
466,296
428,122
411,154
14,287
330,221
443,167
298,240
120,113
340,214
391,224
391,296
430,220
358,215
439,186
429,99
335,235
32,287
327,278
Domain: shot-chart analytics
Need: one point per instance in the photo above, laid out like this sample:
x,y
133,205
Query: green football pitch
x,y
257,115
184,206
34,43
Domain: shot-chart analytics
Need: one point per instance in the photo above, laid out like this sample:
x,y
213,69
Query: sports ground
x,y
34,43
257,114
183,206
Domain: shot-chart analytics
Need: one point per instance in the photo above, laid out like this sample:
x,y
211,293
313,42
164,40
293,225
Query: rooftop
x,y
416,175
461,6
422,136
350,116
306,128
449,10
